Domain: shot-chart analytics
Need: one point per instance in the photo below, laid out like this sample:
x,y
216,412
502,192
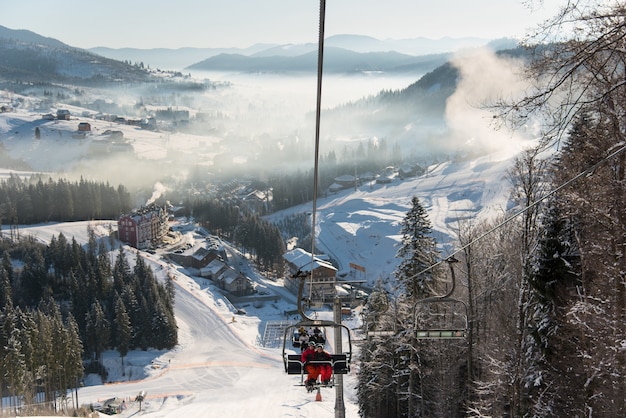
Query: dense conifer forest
x,y
544,290
40,199
80,302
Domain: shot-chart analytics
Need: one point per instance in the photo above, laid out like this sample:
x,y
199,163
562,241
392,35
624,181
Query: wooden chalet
x,y
320,285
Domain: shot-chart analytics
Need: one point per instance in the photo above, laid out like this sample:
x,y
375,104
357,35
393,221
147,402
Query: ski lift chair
x,y
340,362
443,316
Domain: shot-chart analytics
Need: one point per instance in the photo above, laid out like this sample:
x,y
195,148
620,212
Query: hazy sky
x,y
242,23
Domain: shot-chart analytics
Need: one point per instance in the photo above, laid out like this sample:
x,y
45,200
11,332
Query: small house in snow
x,y
321,280
227,278
213,269
346,181
202,256
234,282
333,188
63,114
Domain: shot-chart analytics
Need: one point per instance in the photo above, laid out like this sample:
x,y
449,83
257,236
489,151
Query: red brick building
x,y
143,228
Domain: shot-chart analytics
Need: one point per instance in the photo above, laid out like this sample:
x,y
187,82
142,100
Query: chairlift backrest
x,y
340,361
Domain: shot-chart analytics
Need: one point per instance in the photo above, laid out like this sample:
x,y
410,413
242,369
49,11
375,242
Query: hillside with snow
x,y
362,226
352,226
220,366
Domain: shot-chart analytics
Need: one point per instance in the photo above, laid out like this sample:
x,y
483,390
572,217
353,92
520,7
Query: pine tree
x,y
6,292
170,292
554,272
122,273
98,330
122,329
418,252
398,364
74,363
14,369
34,277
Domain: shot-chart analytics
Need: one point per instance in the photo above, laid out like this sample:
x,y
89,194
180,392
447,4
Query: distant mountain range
x,y
336,60
28,57
171,59
197,58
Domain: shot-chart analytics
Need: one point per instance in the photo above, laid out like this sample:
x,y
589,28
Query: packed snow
x,y
220,366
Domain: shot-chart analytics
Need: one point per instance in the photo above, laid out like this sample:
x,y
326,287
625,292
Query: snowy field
x,y
353,226
219,368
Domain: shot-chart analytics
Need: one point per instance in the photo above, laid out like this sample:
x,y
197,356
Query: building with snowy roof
x,y
320,275
143,228
227,278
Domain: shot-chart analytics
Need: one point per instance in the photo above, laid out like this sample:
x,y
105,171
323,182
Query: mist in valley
x,y
258,125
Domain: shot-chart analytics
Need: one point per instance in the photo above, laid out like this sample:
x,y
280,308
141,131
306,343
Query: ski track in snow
x,y
218,368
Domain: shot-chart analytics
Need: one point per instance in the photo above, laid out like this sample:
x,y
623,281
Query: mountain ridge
x,y
29,57
336,60
180,58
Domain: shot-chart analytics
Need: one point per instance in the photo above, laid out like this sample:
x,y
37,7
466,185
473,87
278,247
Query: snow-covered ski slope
x,y
219,367
363,226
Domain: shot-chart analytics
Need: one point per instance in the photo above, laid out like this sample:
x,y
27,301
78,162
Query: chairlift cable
x,y
586,172
318,111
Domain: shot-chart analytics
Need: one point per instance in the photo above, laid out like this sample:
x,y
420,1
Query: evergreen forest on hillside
x,y
39,199
540,291
545,290
66,305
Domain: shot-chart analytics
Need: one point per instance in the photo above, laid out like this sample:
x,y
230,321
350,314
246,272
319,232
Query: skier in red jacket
x,y
313,370
325,369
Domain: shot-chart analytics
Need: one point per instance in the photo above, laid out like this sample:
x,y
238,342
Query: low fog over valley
x,y
210,126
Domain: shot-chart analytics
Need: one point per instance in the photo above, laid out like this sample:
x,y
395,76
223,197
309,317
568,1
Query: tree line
x,y
262,240
36,199
368,156
259,238
545,290
78,294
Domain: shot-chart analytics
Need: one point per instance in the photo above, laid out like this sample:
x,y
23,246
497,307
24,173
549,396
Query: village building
x,y
144,228
212,270
346,181
234,282
320,285
227,278
333,188
410,170
199,258
259,201
149,124
112,135
63,114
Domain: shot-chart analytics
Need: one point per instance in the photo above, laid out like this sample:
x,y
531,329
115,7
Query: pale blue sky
x,y
241,23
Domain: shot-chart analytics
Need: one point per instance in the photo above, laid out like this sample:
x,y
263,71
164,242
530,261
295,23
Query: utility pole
x,y
340,407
